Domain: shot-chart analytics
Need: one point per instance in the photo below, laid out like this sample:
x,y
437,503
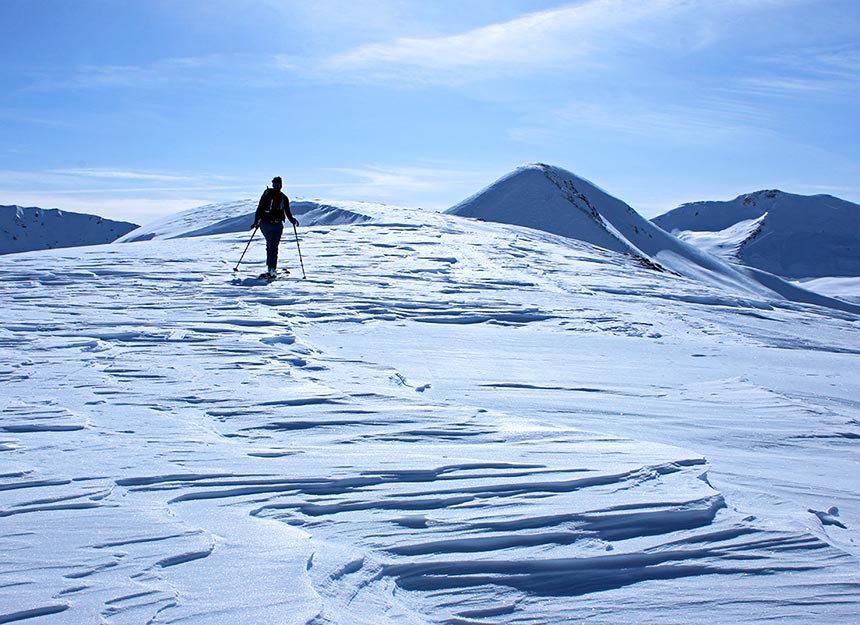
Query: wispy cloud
x,y
216,69
381,183
115,180
30,119
112,174
830,189
701,121
835,62
582,36
817,71
115,188
546,39
791,86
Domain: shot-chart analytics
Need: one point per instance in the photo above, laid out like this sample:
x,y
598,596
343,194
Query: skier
x,y
272,211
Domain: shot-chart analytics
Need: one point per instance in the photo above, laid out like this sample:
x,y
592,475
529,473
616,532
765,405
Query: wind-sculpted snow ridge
x,y
447,422
239,217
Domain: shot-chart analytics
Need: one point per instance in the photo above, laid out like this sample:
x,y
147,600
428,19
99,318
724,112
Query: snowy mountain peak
x,y
551,199
796,236
753,199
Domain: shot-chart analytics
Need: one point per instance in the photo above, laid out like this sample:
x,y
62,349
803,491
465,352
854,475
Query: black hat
x,y
277,180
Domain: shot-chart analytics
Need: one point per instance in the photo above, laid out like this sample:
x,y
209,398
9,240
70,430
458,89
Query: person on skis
x,y
272,211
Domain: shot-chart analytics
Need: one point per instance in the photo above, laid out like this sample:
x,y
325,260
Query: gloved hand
x,y
295,221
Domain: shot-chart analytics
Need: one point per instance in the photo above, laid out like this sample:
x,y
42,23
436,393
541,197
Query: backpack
x,y
273,211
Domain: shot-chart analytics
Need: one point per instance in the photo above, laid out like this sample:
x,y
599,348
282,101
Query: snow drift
x,y
238,216
793,236
554,200
27,229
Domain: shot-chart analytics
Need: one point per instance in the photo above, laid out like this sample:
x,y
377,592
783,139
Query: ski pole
x,y
298,247
236,268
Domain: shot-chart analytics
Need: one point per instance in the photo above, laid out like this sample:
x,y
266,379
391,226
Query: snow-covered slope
x,y
239,216
793,236
554,200
449,421
847,289
26,229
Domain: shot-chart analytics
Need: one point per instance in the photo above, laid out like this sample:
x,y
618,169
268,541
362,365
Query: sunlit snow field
x,y
448,421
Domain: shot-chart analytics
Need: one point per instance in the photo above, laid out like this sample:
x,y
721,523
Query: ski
x,y
263,278
271,278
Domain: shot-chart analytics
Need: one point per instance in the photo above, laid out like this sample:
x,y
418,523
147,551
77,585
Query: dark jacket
x,y
274,207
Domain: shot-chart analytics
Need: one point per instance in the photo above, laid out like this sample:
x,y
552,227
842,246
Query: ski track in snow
x,y
182,445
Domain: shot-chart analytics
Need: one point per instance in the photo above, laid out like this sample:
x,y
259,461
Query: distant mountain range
x,y
554,200
793,236
28,229
752,245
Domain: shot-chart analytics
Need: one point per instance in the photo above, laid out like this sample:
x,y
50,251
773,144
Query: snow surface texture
x,y
27,229
449,421
793,236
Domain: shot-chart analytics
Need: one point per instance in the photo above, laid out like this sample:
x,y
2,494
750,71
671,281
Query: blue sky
x,y
139,108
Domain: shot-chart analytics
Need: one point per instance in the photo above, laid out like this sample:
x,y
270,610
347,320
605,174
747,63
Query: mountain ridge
x,y
796,236
551,199
27,229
